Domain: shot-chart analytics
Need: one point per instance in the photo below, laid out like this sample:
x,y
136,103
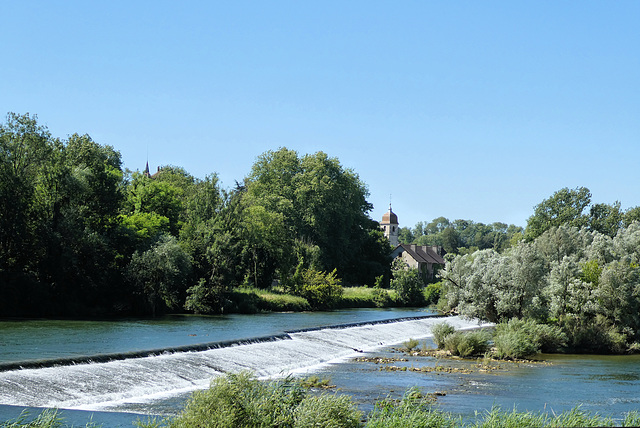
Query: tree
x,y
323,204
407,283
606,219
25,148
631,215
267,240
566,206
160,274
150,196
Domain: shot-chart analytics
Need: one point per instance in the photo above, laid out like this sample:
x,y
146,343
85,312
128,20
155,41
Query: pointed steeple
x,y
146,170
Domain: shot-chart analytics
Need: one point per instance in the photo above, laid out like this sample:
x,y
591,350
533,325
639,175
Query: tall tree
x,y
566,206
321,203
606,219
25,148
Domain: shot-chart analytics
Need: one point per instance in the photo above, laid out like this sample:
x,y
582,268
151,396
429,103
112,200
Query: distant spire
x,y
146,170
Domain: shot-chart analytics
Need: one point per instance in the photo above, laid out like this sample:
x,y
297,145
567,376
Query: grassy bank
x,y
251,300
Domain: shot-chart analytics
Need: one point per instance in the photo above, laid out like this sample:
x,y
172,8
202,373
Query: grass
x,y
365,297
242,401
49,418
252,300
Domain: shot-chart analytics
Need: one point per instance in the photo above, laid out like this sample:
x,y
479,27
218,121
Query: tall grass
x,y
242,401
49,418
413,411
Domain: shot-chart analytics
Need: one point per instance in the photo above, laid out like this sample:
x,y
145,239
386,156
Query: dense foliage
x,y
81,236
585,282
461,236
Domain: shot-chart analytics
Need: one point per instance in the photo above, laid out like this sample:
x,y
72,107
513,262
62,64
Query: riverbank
x,y
250,300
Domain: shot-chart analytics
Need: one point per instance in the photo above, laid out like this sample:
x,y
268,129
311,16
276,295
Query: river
x,y
606,384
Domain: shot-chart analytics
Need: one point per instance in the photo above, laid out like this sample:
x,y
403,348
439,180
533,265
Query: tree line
x,y
80,235
461,236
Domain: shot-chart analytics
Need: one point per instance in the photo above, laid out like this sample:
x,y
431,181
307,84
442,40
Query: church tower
x,y
389,225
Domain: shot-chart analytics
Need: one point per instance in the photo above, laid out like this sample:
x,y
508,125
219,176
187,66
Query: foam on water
x,y
100,385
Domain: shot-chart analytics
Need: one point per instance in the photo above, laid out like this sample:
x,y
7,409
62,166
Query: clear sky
x,y
464,109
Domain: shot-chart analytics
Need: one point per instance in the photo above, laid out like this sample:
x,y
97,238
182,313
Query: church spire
x,y
389,225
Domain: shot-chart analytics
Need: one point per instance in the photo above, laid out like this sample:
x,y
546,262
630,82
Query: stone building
x,y
426,258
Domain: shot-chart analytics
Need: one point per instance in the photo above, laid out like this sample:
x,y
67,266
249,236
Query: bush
x,y
408,285
514,343
241,400
327,411
322,290
440,332
524,338
432,293
467,344
381,298
410,344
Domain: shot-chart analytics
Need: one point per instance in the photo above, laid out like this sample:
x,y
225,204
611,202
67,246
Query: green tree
x,y
323,204
150,196
407,283
606,219
160,274
566,206
25,148
631,215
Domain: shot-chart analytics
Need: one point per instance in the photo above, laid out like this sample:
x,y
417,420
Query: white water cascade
x,y
101,385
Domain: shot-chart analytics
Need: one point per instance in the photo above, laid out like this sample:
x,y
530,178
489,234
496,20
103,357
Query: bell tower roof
x,y
389,217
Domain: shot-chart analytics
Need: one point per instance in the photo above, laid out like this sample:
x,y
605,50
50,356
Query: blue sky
x,y
463,109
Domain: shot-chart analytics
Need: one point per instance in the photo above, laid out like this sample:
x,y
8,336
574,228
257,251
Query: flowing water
x,y
116,388
87,365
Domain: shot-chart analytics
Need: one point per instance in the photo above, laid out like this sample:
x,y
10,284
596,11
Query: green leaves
x,y
564,207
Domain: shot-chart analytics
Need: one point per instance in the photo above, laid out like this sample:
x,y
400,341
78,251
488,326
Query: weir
x,y
101,381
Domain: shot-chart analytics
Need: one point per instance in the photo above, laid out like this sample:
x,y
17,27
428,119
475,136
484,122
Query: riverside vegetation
x,y
240,400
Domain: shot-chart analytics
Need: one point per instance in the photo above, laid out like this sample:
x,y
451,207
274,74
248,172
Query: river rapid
x,y
300,343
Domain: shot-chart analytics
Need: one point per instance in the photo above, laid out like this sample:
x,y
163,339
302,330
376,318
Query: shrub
x,y
322,290
467,344
327,410
240,400
523,338
410,344
440,332
514,343
381,298
432,293
550,337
